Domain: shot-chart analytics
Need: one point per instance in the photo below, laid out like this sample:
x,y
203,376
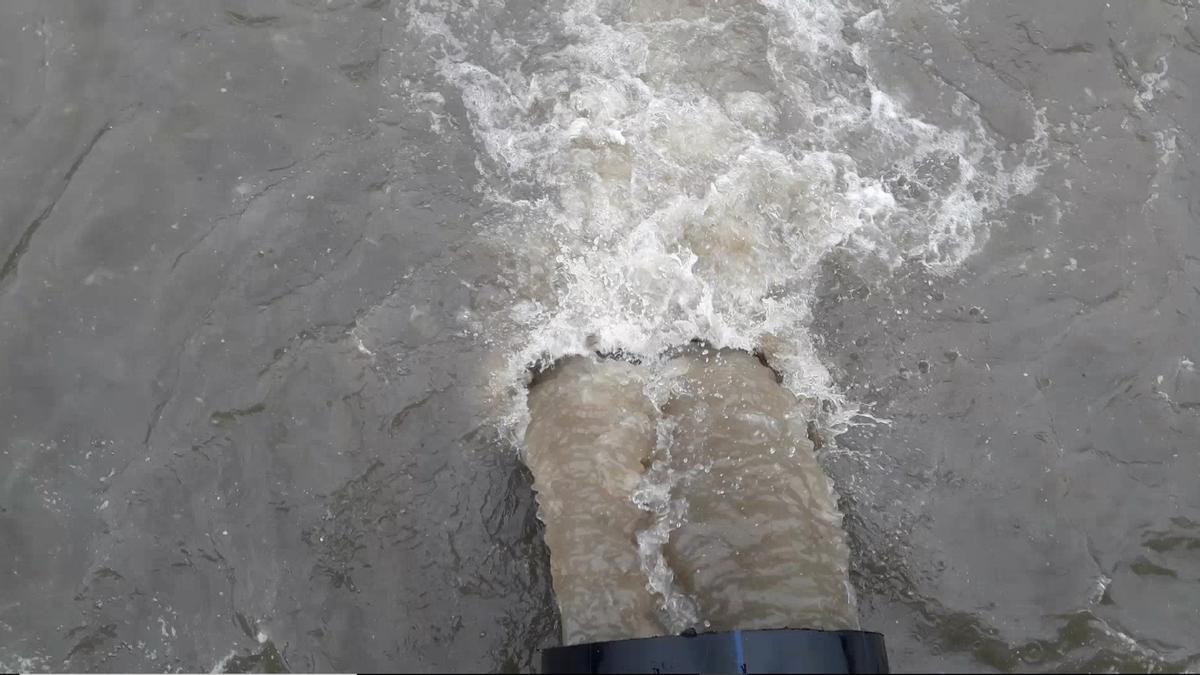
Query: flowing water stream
x,y
358,335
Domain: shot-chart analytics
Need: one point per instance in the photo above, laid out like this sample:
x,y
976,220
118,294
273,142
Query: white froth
x,y
680,172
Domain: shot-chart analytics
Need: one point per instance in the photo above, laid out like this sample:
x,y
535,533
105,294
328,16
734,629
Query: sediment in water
x,y
756,541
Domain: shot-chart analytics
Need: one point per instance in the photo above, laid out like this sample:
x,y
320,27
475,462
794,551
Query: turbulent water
x,y
298,297
593,431
704,509
678,171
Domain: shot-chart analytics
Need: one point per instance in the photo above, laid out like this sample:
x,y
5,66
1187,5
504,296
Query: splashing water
x,y
670,170
678,170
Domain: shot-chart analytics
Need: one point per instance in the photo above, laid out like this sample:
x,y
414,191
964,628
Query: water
x,y
275,273
687,168
679,172
593,429
686,497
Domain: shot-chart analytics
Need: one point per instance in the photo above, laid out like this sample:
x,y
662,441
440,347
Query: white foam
x,y
220,666
653,495
660,189
22,664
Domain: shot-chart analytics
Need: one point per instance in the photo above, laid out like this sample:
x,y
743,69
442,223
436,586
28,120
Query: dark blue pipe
x,y
751,651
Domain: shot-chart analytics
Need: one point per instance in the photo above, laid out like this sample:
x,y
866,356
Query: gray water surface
x,y
244,314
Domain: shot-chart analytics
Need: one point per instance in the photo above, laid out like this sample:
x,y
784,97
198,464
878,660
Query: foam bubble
x,y
679,171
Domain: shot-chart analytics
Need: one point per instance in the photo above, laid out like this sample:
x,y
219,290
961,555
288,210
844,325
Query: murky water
x,y
760,542
703,510
593,429
274,273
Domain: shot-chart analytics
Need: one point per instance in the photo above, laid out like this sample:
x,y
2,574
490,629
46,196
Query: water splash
x,y
674,171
